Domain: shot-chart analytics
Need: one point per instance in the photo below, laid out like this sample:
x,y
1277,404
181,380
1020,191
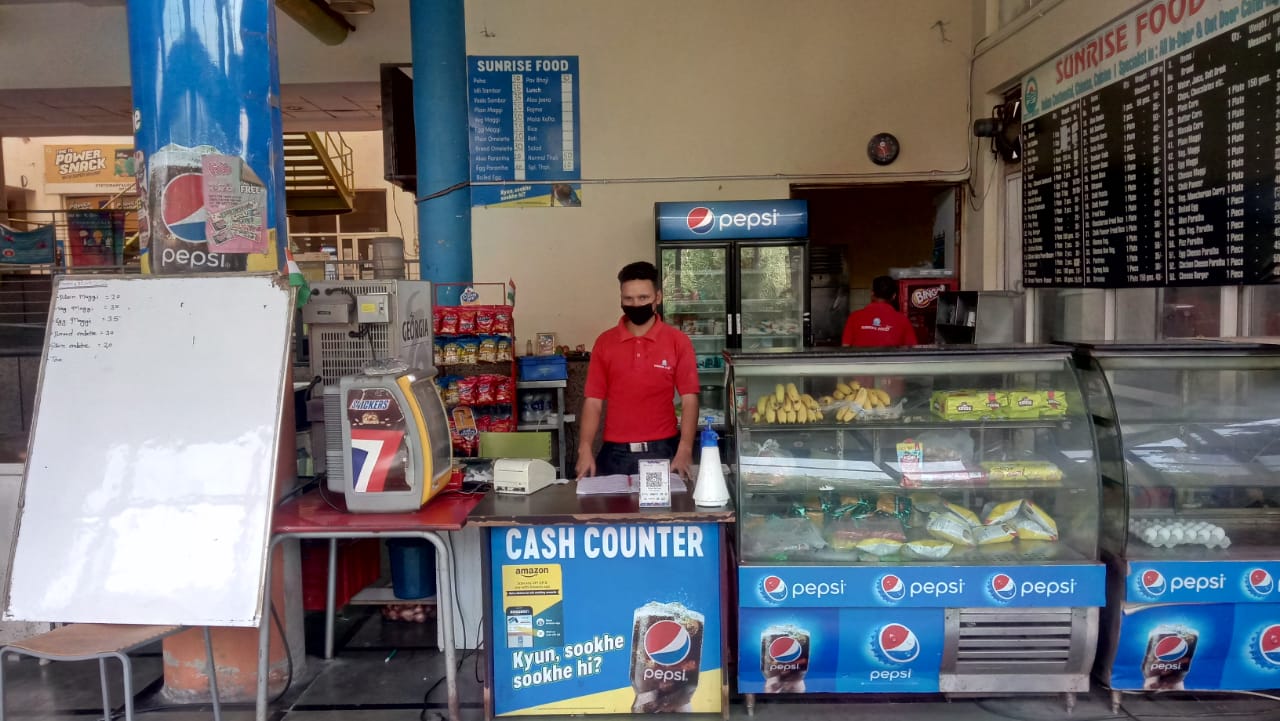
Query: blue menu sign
x,y
523,117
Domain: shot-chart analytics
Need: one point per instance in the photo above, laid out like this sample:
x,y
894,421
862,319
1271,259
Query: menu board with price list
x,y
1151,154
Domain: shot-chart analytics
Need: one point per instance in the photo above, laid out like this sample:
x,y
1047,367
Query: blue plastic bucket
x,y
413,567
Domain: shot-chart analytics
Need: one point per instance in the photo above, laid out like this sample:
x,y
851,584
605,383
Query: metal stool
x,y
84,641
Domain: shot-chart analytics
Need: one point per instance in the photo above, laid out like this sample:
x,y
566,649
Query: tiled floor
x,y
363,684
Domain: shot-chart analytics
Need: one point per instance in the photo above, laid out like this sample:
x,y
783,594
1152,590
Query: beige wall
x,y
714,100
999,62
681,100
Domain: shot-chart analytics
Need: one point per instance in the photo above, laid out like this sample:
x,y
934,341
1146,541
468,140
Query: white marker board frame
x,y
148,490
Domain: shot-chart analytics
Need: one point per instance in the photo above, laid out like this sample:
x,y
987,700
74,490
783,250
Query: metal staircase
x,y
318,176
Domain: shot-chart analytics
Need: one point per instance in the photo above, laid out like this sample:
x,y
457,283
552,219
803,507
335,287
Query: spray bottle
x,y
710,489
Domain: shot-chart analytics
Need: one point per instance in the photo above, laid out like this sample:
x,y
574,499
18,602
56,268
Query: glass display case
x,y
955,456
914,520
1190,440
1189,447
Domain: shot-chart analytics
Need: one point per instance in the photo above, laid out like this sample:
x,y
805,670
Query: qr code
x,y
653,479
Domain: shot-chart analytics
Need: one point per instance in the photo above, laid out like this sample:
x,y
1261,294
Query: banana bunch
x,y
868,399
786,405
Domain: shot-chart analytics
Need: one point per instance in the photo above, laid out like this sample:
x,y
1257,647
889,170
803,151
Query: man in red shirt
x,y
880,324
636,369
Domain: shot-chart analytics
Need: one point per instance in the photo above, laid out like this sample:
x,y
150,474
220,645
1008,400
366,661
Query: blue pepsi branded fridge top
x,y
732,220
1073,585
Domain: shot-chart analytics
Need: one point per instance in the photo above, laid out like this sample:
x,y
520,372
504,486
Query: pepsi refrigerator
x,y
1189,435
915,520
734,274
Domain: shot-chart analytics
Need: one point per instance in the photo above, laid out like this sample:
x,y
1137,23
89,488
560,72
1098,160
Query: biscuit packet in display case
x,y
1025,404
1055,404
957,405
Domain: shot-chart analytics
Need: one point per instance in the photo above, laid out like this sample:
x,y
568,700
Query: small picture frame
x,y
545,344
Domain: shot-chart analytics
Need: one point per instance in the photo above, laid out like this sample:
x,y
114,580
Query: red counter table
x,y
311,517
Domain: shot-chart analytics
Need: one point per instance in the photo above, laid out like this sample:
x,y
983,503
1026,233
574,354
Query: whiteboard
x,y
147,496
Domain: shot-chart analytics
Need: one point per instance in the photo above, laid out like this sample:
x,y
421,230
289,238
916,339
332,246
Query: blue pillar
x,y
440,122
207,126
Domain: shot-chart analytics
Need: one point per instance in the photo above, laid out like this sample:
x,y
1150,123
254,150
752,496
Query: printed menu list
x,y
85,322
523,115
1167,177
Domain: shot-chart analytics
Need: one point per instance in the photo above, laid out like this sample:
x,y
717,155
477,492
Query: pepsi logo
x,y
897,643
182,207
667,643
1269,644
1171,648
701,220
774,588
1003,587
891,587
1260,582
785,649
1153,582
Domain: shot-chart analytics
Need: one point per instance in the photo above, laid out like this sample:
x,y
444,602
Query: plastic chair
x,y
84,641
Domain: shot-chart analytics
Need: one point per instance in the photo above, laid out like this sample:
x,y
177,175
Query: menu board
x,y
1157,165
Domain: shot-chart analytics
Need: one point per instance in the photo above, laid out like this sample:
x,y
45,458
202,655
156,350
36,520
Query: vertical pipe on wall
x,y
438,37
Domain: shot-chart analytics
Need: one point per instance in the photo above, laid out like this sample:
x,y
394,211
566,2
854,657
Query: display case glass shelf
x,y
951,455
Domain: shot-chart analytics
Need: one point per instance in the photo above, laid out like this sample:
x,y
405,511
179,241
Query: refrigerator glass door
x,y
772,287
695,292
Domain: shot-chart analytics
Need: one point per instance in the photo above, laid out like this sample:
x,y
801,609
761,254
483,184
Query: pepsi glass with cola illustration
x,y
784,658
1170,650
175,214
666,653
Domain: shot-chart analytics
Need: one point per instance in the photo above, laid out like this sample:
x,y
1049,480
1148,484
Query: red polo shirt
x,y
636,377
879,325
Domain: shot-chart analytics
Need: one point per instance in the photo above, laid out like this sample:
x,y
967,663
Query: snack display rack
x,y
915,520
475,354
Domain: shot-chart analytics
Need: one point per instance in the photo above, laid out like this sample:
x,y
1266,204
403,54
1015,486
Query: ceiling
x,y
107,111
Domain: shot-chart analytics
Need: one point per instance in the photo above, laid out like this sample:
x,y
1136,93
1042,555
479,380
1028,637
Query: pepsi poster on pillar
x,y
609,619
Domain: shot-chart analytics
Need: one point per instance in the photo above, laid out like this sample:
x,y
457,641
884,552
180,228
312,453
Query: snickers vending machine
x,y
1189,439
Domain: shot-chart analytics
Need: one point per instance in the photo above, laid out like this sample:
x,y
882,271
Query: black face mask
x,y
638,314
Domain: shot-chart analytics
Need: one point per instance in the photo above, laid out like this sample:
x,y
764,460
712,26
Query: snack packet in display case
x,y
1029,529
1001,512
947,527
930,548
998,533
1036,513
879,546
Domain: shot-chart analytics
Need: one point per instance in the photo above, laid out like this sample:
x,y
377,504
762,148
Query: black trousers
x,y
619,458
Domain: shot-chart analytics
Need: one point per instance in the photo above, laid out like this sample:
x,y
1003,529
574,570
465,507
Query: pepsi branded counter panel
x,y
1189,442
596,606
734,274
915,520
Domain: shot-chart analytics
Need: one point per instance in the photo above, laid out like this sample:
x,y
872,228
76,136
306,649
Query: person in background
x,y
880,324
636,368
